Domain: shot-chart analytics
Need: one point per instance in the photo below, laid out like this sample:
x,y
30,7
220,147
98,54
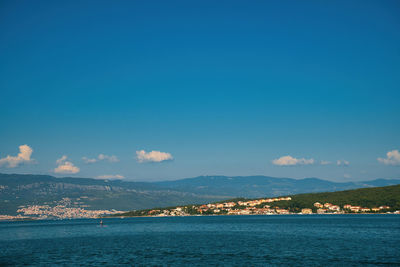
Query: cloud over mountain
x,y
153,156
392,158
24,156
65,166
291,161
101,157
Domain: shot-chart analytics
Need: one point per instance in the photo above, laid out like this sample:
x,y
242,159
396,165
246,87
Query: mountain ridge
x,y
260,186
29,189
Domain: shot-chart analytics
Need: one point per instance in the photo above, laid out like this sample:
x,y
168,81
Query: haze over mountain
x,y
261,186
23,189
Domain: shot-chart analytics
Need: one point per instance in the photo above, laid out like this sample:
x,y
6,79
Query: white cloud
x,y
342,163
108,158
392,158
65,166
61,160
346,175
88,160
153,156
291,161
24,156
101,157
110,176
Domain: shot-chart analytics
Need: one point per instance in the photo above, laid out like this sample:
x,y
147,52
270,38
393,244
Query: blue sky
x,y
213,88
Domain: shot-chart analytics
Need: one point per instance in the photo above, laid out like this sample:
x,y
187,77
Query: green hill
x,y
365,197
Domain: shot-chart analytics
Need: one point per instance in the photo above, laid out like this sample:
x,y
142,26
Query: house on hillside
x,y
318,205
306,211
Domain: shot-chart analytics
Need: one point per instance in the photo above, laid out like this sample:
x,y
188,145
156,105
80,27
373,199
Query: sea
x,y
258,240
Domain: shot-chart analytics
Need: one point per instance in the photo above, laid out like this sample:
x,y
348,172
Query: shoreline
x,y
211,215
214,215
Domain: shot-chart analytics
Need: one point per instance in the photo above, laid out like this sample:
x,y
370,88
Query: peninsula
x,y
366,200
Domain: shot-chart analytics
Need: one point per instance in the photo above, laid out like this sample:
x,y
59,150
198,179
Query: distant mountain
x,y
25,189
261,186
18,189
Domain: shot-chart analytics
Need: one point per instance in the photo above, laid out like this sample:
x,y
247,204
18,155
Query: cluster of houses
x,y
178,211
65,209
331,208
241,207
259,206
361,209
327,208
61,212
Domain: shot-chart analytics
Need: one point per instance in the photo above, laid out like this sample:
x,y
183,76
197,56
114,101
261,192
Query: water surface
x,y
308,240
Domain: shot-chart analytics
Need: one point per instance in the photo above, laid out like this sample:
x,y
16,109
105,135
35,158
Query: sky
x,y
164,90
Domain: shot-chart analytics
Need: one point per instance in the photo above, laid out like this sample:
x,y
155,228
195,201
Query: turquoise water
x,y
295,240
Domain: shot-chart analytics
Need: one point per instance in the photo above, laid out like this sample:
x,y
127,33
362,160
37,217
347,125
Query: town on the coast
x,y
63,209
68,208
257,207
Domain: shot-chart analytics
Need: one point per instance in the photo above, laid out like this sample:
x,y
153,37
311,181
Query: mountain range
x,y
28,189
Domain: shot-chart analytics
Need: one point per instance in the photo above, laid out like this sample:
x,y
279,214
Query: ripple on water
x,y
328,240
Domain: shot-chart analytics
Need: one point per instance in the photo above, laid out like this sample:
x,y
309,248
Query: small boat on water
x,y
101,222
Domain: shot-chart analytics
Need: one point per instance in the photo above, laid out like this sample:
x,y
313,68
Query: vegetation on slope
x,y
365,197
